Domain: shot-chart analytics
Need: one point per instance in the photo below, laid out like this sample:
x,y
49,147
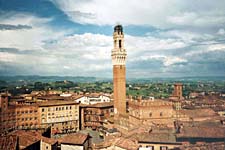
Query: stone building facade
x,y
94,116
61,116
17,116
149,112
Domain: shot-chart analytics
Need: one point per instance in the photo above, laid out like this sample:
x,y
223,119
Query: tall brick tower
x,y
178,90
119,71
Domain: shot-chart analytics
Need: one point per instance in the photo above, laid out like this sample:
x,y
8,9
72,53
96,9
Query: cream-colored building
x,y
61,116
93,98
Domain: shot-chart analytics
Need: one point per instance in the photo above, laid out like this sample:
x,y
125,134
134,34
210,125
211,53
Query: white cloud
x,y
187,37
23,19
199,20
167,60
7,57
216,47
159,13
206,49
173,60
101,12
66,67
27,39
137,44
221,31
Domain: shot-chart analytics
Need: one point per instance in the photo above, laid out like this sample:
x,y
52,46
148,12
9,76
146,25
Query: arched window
x,y
120,43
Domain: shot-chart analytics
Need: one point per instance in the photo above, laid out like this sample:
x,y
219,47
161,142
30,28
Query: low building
x,y
34,140
77,141
93,98
93,116
157,141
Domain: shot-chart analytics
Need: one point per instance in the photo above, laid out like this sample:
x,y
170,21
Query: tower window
x,y
120,43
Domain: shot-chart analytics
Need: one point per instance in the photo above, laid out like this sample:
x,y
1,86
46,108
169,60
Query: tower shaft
x,y
119,88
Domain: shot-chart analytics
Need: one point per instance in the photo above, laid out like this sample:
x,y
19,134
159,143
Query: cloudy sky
x,y
163,38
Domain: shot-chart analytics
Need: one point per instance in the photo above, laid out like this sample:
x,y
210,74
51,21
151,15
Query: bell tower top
x,y
119,53
118,29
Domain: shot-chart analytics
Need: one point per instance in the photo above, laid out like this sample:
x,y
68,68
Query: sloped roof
x,y
127,143
74,139
195,113
202,132
27,138
157,137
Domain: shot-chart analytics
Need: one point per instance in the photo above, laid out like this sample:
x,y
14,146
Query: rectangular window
x,y
150,147
43,109
161,114
163,148
150,114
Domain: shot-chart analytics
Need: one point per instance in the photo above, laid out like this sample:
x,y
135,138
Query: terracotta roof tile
x,y
204,132
127,143
76,138
157,137
8,142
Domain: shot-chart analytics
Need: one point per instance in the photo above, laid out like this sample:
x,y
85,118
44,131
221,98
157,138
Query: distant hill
x,y
50,78
178,79
36,78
